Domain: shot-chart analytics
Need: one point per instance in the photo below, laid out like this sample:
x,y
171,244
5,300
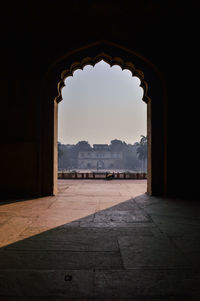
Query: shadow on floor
x,y
137,250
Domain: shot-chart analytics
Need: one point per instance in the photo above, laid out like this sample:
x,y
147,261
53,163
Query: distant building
x,y
100,157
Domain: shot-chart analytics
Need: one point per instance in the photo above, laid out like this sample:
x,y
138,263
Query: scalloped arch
x,y
111,61
153,84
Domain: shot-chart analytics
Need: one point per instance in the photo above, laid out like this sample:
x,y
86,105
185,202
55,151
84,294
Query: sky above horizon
x,y
101,103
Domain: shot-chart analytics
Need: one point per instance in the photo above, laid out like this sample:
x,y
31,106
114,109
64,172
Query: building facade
x,y
100,157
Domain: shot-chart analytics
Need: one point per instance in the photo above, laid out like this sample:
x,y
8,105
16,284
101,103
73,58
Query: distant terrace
x,y
101,175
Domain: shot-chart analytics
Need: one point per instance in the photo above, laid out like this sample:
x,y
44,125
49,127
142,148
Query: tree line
x,y
134,155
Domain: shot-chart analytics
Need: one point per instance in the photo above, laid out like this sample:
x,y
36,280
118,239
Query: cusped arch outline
x,y
154,94
111,61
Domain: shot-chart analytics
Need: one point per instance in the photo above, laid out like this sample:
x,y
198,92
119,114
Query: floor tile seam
x,y
71,240
25,229
186,255
99,269
58,297
18,214
173,243
47,270
13,213
56,251
7,213
60,269
170,239
163,234
93,283
4,223
68,210
194,226
111,211
133,199
93,220
63,187
160,224
96,298
150,268
97,207
53,201
176,217
121,257
160,267
150,218
31,216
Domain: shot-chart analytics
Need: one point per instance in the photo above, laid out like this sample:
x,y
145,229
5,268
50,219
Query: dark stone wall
x,y
36,33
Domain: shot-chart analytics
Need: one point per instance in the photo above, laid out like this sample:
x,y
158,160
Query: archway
x,y
152,84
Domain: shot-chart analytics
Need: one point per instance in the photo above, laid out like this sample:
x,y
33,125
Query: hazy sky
x,y
101,103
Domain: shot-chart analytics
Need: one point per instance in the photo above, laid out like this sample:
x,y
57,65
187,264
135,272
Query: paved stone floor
x,y
100,240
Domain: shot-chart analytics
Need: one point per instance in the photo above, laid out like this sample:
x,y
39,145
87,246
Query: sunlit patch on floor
x,y
76,200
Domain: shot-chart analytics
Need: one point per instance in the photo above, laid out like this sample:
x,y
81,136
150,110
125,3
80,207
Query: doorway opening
x,y
153,95
102,125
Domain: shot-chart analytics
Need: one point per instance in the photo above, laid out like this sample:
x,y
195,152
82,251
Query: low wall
x,y
102,175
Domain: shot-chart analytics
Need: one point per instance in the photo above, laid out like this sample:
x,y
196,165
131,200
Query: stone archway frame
x,y
111,61
154,96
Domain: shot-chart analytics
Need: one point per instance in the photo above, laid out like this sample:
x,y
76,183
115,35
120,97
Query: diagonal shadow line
x,y
73,246
123,214
61,262
70,251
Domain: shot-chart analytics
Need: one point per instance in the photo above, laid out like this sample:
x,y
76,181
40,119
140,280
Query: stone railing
x,y
101,175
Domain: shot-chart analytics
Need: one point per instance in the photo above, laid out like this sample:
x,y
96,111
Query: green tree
x,y
60,150
142,151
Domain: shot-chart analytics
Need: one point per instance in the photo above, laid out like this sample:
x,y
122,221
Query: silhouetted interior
x,y
97,258
40,42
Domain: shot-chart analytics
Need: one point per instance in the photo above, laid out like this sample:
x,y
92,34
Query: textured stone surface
x,y
155,283
150,252
83,246
46,283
